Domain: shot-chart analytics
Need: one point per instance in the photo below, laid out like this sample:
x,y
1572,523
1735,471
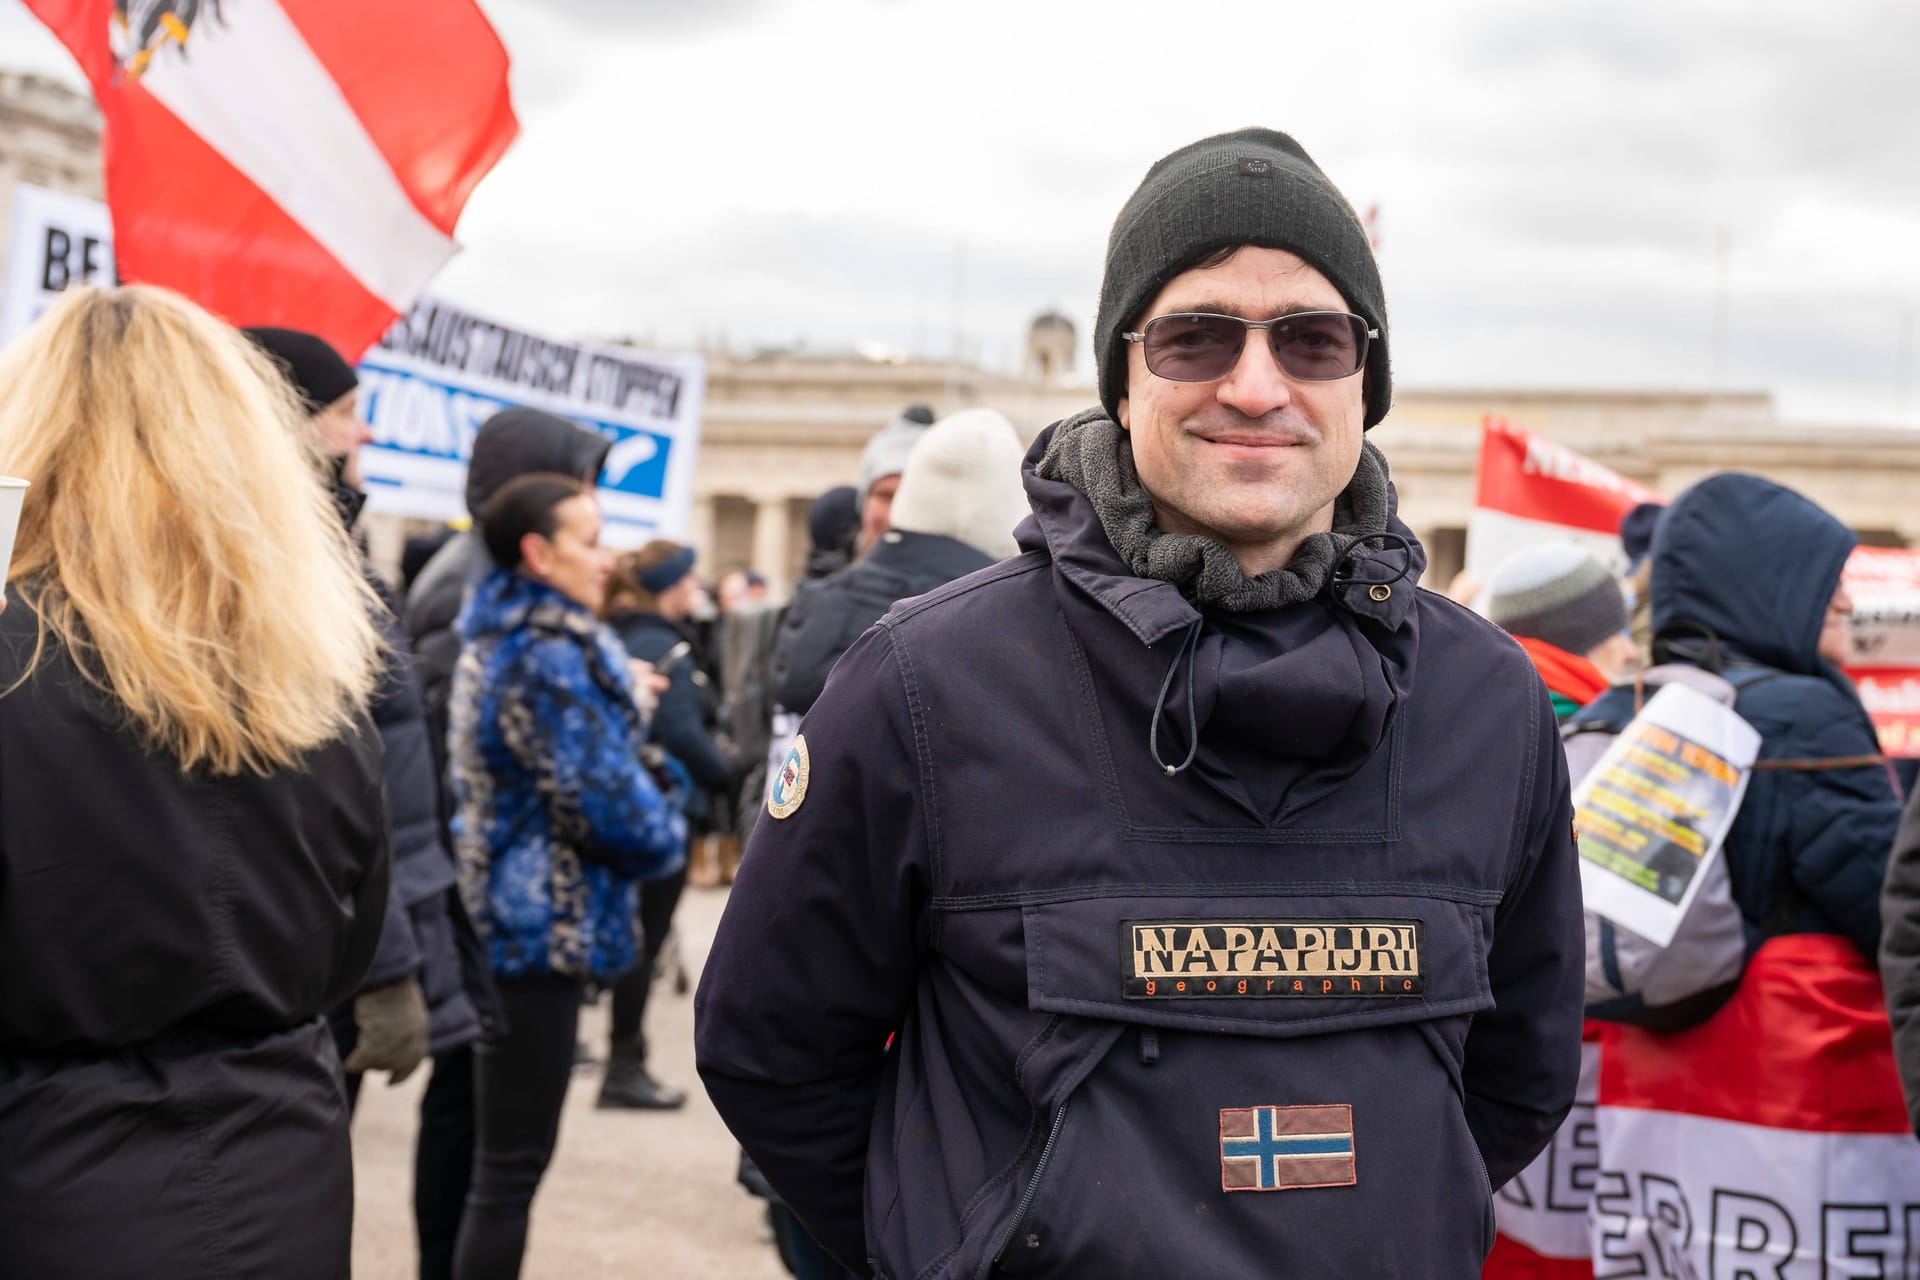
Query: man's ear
x,y
1121,412
536,553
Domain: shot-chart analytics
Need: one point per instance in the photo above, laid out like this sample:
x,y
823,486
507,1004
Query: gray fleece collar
x,y
1094,454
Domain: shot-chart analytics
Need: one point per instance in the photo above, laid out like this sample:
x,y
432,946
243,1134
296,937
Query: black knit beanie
x,y
1250,187
318,372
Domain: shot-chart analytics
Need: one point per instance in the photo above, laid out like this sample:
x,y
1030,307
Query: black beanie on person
x,y
1249,187
318,372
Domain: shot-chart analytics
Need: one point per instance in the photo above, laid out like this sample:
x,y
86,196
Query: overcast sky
x,y
1551,178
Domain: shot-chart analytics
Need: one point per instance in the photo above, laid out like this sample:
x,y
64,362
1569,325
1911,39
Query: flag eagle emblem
x,y
141,28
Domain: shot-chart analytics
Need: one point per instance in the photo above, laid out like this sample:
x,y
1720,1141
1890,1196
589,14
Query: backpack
x,y
1630,977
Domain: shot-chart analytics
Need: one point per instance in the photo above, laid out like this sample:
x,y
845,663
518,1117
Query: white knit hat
x,y
963,480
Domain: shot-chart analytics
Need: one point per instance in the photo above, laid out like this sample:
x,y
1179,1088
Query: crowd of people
x,y
1152,788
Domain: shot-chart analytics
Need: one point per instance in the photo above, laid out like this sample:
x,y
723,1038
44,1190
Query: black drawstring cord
x,y
1190,649
1342,575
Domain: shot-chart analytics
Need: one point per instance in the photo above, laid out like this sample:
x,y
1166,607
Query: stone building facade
x,y
49,137
781,428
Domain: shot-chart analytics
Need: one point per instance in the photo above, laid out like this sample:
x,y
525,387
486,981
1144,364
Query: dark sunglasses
x,y
1313,346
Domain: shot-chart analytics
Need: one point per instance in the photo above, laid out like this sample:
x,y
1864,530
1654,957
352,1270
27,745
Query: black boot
x,y
627,1085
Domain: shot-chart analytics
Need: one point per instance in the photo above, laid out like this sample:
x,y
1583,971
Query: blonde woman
x,y
193,862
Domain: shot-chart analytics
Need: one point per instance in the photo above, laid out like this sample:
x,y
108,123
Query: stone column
x,y
700,532
770,536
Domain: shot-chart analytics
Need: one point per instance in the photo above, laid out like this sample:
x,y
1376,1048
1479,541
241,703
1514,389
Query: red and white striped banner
x,y
1542,1213
1531,490
1768,1142
295,162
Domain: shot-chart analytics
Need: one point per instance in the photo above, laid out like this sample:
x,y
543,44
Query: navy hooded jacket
x,y
1339,958
1755,565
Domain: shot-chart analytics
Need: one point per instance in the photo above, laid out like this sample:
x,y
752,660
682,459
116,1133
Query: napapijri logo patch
x,y
1286,1148
1255,167
1208,959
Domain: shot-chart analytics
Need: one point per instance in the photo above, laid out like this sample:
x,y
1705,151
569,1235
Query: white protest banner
x,y
53,241
441,371
1542,1211
1531,490
1656,809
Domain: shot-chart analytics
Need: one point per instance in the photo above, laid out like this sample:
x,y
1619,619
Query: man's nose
x,y
1256,385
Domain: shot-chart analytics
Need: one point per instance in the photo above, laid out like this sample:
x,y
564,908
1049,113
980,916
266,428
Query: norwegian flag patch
x,y
1286,1148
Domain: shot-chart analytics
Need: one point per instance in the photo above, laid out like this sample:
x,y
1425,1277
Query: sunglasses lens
x,y
1193,348
1319,346
1314,346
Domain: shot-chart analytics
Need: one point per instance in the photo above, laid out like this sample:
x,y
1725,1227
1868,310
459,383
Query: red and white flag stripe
x,y
1769,1141
300,162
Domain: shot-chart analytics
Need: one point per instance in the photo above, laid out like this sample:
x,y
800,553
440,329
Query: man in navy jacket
x,y
1192,894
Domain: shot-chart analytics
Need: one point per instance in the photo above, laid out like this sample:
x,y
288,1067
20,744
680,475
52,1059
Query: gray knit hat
x,y
886,453
1557,592
1251,187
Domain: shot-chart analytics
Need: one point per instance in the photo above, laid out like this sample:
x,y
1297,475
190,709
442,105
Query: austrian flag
x,y
1286,1148
292,162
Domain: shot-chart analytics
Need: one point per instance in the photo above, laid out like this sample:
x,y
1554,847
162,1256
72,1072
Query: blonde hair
x,y
179,541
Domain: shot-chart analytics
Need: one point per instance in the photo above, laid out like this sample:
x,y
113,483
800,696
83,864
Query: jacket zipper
x,y
1033,1183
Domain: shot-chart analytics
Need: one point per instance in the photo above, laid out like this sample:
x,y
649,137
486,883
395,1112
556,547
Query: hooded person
x,y
881,464
833,531
954,511
512,443
429,990
1636,539
1566,610
1191,854
1746,581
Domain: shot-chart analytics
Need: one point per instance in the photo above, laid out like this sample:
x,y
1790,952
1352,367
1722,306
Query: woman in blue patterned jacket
x,y
557,823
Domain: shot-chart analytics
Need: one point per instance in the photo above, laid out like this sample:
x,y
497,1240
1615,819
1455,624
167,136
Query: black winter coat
x,y
427,934
682,724
1900,955
829,615
170,1100
1339,957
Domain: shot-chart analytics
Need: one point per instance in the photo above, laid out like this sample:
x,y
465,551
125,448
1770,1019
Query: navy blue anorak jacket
x,y
1755,565
1338,959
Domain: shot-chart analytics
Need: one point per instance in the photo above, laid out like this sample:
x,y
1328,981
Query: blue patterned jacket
x,y
556,817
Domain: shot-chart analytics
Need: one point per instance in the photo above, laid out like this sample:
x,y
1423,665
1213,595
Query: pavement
x,y
629,1193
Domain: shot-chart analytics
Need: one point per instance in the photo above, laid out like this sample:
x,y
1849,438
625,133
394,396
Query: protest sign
x,y
54,241
1656,809
441,371
438,373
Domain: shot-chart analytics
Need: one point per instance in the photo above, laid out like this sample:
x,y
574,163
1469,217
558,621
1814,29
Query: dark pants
x,y
443,1160
658,898
805,1259
442,1155
520,1084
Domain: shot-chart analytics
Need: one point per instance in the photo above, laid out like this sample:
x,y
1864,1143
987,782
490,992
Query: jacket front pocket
x,y
1311,1133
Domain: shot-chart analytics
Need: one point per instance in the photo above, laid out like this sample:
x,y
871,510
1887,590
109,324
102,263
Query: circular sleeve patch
x,y
789,789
